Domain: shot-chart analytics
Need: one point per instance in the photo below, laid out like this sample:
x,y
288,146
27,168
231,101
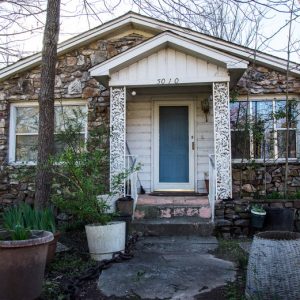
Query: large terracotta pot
x,y
52,247
22,266
105,240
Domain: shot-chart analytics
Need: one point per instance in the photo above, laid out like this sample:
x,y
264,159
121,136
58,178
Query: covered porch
x,y
169,111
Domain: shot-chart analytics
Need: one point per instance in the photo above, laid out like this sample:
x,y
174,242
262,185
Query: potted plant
x,y
81,172
33,219
125,206
23,255
258,215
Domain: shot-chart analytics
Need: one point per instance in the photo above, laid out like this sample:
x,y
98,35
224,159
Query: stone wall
x,y
232,218
259,80
259,181
72,82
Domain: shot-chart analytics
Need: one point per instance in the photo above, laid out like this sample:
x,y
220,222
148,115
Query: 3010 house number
x,y
168,81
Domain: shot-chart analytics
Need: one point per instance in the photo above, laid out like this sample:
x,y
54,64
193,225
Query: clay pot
x,y
125,206
52,247
22,266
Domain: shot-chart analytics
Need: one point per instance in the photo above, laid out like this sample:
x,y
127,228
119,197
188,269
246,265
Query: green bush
x,y
81,174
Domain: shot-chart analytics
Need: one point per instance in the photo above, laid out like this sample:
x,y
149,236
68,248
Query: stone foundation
x,y
232,218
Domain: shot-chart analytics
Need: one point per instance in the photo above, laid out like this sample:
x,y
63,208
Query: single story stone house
x,y
166,92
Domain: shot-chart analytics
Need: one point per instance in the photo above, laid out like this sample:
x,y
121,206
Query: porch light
x,y
133,93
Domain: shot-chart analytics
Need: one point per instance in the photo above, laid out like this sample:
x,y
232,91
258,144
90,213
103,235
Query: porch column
x,y
222,141
117,136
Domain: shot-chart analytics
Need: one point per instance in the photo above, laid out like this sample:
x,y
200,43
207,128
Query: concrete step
x,y
180,226
172,211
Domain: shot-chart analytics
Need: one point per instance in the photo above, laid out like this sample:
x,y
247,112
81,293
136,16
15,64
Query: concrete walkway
x,y
168,268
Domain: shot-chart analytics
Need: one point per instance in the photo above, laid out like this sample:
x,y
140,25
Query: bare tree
x,y
46,105
19,19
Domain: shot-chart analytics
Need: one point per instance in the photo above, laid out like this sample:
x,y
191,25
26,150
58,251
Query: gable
x,y
171,58
169,66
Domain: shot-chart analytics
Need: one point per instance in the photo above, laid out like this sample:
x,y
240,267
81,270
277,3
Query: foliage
x,y
258,208
231,250
81,174
19,220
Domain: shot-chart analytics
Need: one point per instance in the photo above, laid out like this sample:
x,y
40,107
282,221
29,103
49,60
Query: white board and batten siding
x,y
170,66
140,134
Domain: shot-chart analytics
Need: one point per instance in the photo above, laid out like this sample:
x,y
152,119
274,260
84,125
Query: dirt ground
x,y
68,266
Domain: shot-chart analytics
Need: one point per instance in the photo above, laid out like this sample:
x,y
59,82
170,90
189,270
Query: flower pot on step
x,y
125,206
105,240
22,265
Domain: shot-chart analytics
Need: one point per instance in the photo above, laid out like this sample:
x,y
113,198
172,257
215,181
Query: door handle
x,y
193,145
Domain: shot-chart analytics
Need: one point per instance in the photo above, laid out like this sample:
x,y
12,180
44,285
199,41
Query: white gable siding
x,y
169,64
139,138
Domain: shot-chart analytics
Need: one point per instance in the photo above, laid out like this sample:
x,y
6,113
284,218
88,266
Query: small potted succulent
x,y
258,215
23,254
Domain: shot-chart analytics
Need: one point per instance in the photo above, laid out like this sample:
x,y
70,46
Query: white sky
x,y
71,26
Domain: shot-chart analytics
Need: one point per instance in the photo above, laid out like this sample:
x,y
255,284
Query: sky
x,y
71,26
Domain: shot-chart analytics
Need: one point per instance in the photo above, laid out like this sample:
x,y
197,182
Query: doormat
x,y
179,194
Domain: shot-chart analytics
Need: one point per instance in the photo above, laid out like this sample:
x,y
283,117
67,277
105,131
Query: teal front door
x,y
174,144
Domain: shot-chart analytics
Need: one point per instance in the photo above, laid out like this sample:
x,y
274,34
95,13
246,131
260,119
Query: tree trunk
x,y
46,105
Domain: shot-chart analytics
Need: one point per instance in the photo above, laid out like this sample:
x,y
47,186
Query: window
x,y
258,129
24,128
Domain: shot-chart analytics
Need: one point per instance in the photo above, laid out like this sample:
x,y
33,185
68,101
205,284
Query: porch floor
x,y
147,199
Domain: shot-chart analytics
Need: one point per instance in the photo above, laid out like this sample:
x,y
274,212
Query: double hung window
x,y
24,119
259,128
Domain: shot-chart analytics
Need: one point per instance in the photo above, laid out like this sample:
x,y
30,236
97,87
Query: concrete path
x,y
168,268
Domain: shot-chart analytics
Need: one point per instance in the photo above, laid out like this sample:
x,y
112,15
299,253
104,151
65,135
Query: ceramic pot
x,y
22,266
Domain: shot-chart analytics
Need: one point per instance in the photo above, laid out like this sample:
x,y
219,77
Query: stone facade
x,y
72,82
259,80
233,217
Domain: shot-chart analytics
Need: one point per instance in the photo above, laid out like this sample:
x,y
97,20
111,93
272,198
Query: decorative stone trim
x,y
222,140
117,134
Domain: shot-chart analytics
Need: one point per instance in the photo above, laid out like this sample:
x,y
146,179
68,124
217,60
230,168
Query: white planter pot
x,y
258,213
104,240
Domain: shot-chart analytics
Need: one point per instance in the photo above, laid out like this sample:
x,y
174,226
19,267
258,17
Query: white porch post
x,y
222,141
117,136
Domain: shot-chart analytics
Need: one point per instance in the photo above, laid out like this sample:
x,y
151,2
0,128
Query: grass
x,y
230,250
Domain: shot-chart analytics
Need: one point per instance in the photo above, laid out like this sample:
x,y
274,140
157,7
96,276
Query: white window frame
x,y
12,126
276,159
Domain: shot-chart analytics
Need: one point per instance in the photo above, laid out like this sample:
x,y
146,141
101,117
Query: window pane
x,y
281,139
65,115
26,147
240,144
280,114
27,119
60,146
238,114
263,137
264,145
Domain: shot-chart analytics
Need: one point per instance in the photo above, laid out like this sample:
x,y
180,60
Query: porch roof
x,y
190,62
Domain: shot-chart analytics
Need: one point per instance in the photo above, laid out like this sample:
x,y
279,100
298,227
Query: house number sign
x,y
168,81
